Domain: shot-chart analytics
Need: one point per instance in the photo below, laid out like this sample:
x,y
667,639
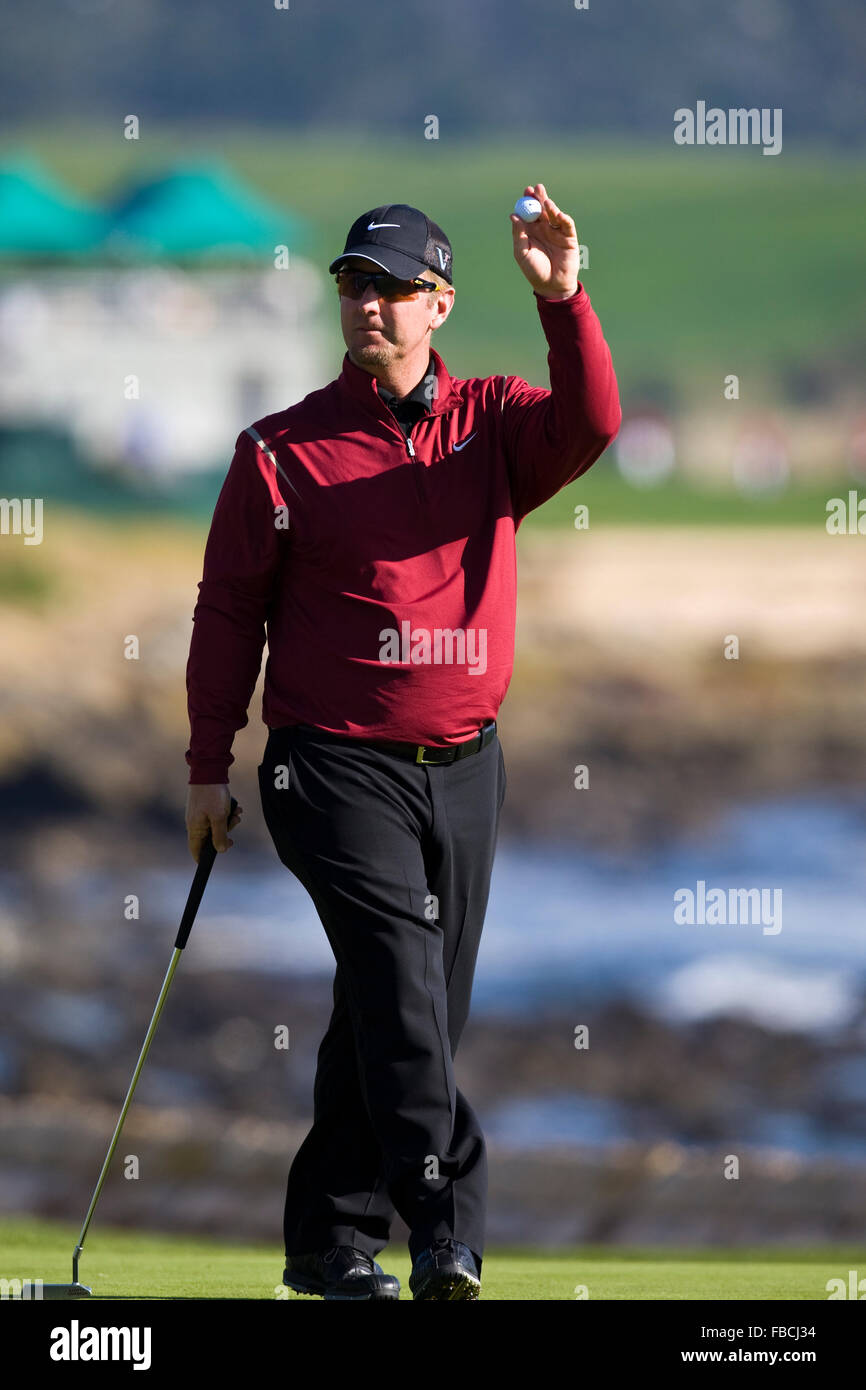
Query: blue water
x,y
567,1119
563,925
564,931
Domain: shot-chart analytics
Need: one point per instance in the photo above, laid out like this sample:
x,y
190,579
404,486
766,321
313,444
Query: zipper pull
x,y
410,447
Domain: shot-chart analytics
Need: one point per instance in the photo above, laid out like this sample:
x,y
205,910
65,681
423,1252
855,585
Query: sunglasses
x,y
351,284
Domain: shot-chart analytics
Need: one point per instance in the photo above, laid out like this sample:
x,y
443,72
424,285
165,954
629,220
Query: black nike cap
x,y
401,239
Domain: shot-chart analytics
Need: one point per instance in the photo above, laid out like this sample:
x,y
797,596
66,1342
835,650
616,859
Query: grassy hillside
x,y
702,261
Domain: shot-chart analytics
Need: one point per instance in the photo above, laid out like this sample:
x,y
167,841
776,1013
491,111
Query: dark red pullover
x,y
382,569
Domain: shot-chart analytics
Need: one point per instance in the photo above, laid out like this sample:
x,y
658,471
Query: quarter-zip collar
x,y
419,394
362,387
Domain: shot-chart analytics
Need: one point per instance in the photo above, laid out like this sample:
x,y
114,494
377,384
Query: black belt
x,y
414,752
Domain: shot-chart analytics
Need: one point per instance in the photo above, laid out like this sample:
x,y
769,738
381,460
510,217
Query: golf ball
x,y
528,208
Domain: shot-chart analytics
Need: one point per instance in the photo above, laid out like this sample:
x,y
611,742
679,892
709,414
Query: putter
x,y
31,1289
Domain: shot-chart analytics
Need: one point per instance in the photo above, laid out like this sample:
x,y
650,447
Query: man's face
x,y
378,333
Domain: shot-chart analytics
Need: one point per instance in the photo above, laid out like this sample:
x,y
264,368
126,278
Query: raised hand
x,y
547,251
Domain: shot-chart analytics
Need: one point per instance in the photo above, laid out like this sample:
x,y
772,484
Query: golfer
x,y
369,531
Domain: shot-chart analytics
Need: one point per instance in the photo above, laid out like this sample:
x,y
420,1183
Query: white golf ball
x,y
528,208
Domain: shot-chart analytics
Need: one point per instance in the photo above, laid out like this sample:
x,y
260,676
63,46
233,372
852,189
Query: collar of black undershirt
x,y
417,396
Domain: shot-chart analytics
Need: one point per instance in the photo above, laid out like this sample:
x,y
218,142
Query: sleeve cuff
x,y
208,774
572,298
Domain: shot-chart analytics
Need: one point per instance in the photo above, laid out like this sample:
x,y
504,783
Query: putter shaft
x,y
206,859
126,1104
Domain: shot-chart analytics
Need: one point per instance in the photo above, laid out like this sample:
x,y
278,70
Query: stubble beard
x,y
374,354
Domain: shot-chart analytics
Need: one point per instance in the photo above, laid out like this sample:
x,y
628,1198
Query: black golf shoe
x,y
447,1271
340,1273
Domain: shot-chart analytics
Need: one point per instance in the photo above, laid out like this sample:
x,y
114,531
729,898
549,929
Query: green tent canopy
x,y
40,219
197,212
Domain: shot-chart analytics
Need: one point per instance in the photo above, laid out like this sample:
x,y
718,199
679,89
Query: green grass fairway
x,y
122,1264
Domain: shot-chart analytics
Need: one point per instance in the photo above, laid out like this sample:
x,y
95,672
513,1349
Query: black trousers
x,y
397,858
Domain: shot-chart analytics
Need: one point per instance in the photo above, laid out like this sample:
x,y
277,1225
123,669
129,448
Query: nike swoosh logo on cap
x,y
371,225
458,447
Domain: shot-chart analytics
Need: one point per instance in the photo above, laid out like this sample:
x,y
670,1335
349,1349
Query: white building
x,y
158,368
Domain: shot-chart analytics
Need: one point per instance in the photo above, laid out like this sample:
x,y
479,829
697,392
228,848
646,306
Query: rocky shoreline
x,y
219,1111
620,670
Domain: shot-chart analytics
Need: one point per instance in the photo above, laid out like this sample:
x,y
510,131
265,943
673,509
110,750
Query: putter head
x,y
34,1290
